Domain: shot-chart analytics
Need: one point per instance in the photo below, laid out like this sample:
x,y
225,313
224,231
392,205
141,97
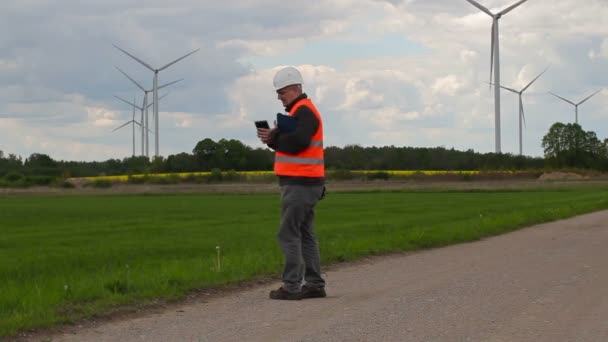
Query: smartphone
x,y
262,124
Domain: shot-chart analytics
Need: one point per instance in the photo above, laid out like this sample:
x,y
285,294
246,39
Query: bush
x,y
60,183
40,180
21,183
138,180
383,175
260,178
101,183
231,176
418,176
192,178
172,179
341,174
216,175
15,180
14,177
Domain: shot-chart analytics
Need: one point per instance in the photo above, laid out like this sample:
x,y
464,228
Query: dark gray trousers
x,y
296,236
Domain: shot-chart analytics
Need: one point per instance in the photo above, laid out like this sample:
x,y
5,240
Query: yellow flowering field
x,y
179,175
415,172
256,175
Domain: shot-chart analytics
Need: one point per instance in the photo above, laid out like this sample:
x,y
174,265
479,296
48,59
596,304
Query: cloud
x,y
447,85
601,52
101,117
182,120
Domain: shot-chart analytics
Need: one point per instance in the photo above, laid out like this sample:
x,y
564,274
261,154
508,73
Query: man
x,y
299,164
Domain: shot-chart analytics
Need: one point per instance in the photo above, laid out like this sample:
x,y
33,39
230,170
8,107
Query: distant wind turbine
x,y
522,117
575,104
146,106
495,61
142,126
128,122
155,89
142,109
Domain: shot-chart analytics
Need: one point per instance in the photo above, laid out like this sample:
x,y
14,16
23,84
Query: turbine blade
x,y
132,80
137,123
127,102
162,97
177,60
503,87
588,97
135,58
510,89
492,45
168,84
512,7
123,125
480,7
570,102
534,80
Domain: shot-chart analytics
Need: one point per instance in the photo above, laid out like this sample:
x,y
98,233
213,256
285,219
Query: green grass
x,y
67,257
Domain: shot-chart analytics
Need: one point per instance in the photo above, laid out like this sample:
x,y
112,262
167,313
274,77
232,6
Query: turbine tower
x,y
522,117
128,122
495,62
145,106
155,89
576,104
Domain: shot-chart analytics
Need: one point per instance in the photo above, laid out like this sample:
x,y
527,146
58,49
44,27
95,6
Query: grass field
x,y
67,257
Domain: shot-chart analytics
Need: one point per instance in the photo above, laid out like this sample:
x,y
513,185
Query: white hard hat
x,y
286,77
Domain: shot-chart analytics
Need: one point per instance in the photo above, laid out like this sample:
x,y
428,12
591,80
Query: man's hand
x,y
265,134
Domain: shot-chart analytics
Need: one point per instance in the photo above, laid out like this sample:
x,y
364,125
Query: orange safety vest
x,y
308,162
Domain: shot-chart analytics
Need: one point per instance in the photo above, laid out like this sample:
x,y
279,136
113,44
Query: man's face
x,y
288,94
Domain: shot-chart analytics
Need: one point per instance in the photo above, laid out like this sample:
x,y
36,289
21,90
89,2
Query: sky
x,y
381,72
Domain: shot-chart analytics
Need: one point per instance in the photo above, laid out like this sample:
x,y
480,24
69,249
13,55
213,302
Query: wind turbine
x,y
495,61
522,117
155,88
145,106
142,109
128,122
575,104
143,126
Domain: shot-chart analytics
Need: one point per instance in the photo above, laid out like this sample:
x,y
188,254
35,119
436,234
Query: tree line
x,y
568,145
565,146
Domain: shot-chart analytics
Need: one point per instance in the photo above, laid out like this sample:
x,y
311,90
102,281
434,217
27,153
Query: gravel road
x,y
544,283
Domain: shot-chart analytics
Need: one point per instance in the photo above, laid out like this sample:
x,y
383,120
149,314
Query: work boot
x,y
282,294
313,292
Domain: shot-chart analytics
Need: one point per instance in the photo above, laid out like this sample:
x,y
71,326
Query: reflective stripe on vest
x,y
297,160
316,144
310,161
